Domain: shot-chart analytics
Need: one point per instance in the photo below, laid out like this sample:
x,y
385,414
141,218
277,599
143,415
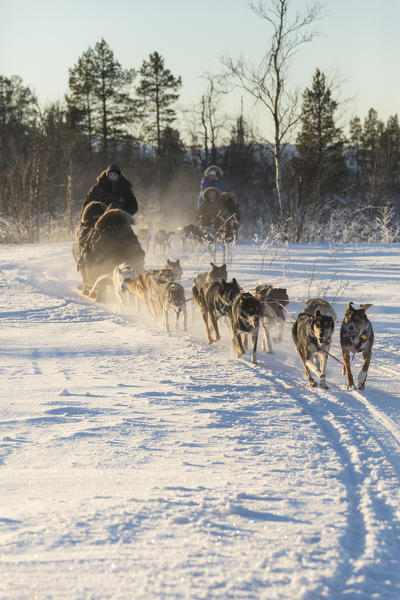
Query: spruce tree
x,y
156,94
111,88
100,97
81,101
320,143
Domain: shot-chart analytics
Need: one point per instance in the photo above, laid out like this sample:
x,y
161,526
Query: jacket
x,y
118,193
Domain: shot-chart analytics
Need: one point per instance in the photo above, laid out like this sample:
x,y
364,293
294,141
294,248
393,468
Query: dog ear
x,y
168,261
350,307
178,261
212,264
365,307
317,313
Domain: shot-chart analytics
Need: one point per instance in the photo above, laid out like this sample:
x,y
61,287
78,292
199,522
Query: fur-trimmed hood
x,y
92,212
103,179
206,193
218,170
113,218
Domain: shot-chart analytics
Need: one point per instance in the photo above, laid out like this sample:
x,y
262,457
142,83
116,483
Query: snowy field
x,y
136,464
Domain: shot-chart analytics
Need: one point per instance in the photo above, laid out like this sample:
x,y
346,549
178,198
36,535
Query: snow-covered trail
x,y
140,464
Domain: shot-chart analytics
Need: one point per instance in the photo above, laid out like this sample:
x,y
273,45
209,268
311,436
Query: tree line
x,y
316,174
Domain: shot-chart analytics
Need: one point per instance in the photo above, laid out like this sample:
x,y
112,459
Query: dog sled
x,y
110,242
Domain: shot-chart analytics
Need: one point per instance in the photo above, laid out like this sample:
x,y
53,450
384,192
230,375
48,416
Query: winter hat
x,y
113,169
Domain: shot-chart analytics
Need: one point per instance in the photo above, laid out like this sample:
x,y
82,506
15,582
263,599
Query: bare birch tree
x,y
268,82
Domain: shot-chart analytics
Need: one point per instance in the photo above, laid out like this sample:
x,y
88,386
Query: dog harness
x,y
356,340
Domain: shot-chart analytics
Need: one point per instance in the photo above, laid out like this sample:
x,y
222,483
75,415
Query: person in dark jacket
x,y
210,209
112,188
212,178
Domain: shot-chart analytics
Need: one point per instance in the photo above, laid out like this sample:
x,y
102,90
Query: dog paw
x,y
323,385
269,352
361,386
313,383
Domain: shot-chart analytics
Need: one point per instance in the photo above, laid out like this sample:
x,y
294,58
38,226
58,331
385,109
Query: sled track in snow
x,y
344,426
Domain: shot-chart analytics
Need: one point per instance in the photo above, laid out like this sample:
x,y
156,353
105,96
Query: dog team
x,y
160,291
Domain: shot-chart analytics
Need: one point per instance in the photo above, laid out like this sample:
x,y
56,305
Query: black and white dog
x,y
245,320
273,301
312,334
356,335
215,300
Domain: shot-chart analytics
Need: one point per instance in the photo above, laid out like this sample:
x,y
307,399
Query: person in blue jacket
x,y
212,178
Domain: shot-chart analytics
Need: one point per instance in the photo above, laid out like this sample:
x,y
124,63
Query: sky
x,y
358,42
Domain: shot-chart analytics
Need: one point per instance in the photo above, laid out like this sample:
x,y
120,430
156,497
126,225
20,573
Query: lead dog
x,y
312,334
245,320
356,335
273,301
215,300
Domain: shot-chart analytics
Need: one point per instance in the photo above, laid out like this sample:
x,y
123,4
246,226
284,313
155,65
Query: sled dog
x,y
245,320
120,277
356,335
273,301
176,268
215,300
216,274
162,241
171,296
312,334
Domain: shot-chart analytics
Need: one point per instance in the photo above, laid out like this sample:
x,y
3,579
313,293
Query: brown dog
x,y
356,335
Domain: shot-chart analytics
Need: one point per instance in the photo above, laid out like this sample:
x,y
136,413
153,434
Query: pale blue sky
x,y
41,39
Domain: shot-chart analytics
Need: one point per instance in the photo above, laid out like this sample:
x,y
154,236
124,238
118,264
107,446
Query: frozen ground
x,y
140,464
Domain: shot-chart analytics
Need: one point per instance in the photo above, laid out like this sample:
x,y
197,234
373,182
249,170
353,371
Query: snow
x,y
140,464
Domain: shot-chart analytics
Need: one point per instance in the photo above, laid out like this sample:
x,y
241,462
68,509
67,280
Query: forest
x,y
319,178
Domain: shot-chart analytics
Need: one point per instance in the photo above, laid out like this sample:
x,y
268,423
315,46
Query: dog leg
x,y
245,341
214,323
184,317
254,337
267,346
305,362
362,376
204,314
237,340
279,325
178,313
347,369
323,358
165,318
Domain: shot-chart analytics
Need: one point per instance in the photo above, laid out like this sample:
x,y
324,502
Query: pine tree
x,y
111,88
82,102
156,94
320,143
100,95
